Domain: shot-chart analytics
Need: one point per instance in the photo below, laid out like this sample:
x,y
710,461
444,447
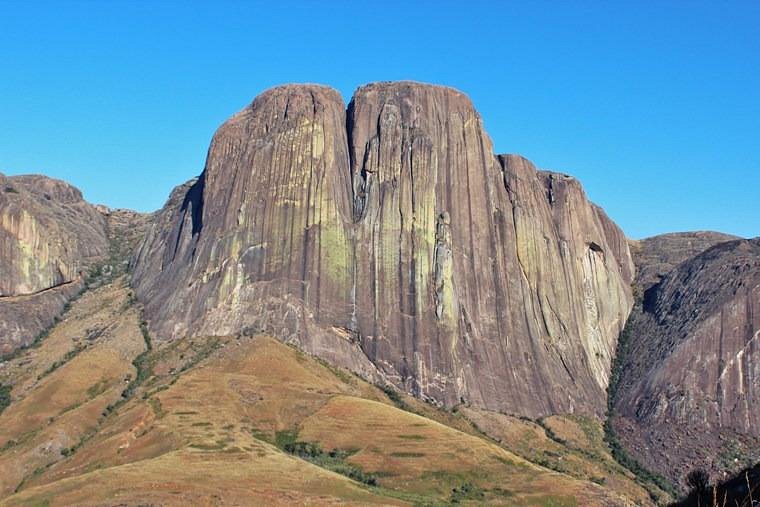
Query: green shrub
x,y
71,354
143,363
395,398
467,491
5,397
334,460
284,438
303,449
643,475
550,433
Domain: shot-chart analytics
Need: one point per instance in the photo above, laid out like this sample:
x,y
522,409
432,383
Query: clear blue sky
x,y
655,106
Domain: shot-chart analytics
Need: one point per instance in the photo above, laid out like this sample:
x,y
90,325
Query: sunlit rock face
x,y
688,395
388,238
262,240
49,236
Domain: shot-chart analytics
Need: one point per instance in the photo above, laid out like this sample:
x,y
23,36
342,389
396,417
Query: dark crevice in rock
x,y
18,297
650,298
344,219
194,200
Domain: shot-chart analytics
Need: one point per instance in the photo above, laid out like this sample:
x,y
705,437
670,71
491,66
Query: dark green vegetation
x,y
742,490
5,397
550,432
334,460
467,491
396,398
71,354
143,365
644,476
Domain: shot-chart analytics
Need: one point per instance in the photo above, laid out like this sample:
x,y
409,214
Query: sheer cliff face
x,y
689,387
48,235
391,240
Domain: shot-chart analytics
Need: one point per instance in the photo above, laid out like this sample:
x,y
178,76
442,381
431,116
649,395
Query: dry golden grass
x,y
91,314
194,477
202,428
55,407
185,444
414,454
570,444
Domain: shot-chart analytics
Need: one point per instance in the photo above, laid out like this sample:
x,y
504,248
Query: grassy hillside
x,y
99,414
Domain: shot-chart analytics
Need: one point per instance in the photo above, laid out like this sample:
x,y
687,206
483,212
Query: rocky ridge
x,y
48,233
386,237
689,379
655,257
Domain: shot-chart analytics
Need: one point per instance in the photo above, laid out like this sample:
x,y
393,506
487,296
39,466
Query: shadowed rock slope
x,y
388,238
690,377
655,257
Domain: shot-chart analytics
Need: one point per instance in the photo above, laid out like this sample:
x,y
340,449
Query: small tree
x,y
698,480
5,397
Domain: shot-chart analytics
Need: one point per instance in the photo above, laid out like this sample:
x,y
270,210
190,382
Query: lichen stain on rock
x,y
394,220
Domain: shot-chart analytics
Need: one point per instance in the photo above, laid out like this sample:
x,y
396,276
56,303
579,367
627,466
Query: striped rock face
x,y
49,236
48,232
388,238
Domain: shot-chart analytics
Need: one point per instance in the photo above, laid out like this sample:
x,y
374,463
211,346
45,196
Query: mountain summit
x,y
509,345
388,238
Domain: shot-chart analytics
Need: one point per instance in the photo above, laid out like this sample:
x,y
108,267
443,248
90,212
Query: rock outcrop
x,y
48,234
389,238
688,394
24,318
49,237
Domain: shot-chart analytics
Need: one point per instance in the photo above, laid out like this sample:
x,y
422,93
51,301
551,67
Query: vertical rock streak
x,y
48,234
388,238
49,238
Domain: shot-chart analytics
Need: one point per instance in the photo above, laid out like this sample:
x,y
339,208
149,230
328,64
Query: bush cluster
x,y
5,397
334,460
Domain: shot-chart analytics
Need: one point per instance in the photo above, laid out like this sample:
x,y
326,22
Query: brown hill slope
x,y
389,239
101,416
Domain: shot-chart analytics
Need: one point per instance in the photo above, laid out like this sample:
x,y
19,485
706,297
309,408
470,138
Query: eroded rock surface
x,y
389,238
48,234
51,243
49,238
688,395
